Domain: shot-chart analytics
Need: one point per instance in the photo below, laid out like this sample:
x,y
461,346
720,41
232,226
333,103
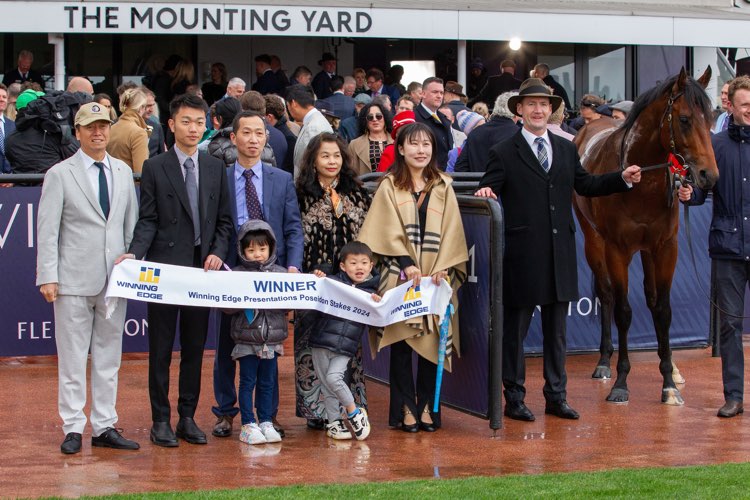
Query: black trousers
x,y
401,379
162,328
731,278
515,327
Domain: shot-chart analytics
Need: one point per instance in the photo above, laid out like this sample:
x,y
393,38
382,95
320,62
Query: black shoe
x,y
517,410
410,428
111,438
316,424
561,409
731,408
163,435
72,443
427,427
189,431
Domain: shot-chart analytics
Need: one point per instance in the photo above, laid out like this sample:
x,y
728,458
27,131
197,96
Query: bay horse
x,y
673,117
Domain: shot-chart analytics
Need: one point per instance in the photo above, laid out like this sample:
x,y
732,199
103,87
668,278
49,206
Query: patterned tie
x,y
191,184
2,139
254,210
541,153
103,189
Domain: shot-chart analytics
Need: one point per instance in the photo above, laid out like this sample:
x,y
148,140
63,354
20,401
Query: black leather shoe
x,y
316,424
427,427
561,409
163,435
111,438
517,410
731,408
410,428
189,431
72,443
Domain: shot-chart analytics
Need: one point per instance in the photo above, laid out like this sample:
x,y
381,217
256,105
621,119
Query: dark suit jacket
x,y
442,133
391,92
340,105
321,85
13,76
495,86
476,149
278,144
558,90
291,141
281,211
10,126
267,83
539,265
164,232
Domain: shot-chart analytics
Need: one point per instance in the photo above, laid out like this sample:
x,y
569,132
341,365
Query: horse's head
x,y
686,127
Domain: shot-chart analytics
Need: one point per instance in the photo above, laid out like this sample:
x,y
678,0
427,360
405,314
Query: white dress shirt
x,y
93,173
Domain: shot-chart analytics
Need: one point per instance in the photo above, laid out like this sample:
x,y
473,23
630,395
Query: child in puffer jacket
x,y
335,342
258,335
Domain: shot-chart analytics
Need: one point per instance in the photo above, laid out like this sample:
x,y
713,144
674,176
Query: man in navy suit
x,y
427,113
23,72
267,82
340,104
249,178
7,126
377,88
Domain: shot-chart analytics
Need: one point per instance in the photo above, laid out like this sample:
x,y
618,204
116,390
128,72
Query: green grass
x,y
711,482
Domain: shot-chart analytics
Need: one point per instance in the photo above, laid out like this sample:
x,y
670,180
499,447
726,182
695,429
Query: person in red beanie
x,y
389,153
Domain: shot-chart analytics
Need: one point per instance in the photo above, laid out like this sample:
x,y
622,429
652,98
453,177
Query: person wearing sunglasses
x,y
366,150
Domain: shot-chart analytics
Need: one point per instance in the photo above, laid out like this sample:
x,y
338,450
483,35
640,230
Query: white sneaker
x,y
271,435
337,430
251,434
360,424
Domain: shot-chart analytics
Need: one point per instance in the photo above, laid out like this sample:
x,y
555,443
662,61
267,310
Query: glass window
x,y
607,71
91,56
560,58
145,54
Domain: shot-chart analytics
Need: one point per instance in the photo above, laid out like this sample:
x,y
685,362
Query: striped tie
x,y
541,153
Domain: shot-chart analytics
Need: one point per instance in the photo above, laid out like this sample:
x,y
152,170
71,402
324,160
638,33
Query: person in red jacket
x,y
389,153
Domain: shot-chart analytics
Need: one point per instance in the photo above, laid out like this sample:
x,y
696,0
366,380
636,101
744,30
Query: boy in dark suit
x,y
184,220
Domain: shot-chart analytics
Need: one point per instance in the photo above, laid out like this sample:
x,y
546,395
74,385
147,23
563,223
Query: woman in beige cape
x,y
414,226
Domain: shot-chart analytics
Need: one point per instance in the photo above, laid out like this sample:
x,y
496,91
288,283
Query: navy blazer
x,y
281,211
340,105
391,92
10,127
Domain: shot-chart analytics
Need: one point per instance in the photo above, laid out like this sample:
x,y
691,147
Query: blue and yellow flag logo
x,y
412,293
149,275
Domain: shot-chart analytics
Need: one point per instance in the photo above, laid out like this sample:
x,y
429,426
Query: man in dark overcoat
x,y
534,174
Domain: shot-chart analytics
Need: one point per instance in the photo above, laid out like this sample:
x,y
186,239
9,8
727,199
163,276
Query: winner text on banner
x,y
189,286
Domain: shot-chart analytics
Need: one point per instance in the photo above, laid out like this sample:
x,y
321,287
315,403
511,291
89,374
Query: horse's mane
x,y
694,94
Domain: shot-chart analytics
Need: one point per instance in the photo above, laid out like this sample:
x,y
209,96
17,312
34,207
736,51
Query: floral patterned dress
x,y
325,235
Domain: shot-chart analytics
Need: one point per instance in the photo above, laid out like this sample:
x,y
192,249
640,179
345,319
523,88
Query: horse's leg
x,y
649,287
617,263
595,257
664,263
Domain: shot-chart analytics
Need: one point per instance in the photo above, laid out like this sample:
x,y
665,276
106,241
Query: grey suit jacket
x,y
315,126
77,245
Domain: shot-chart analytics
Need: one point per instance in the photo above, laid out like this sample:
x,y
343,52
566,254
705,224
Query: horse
x,y
672,120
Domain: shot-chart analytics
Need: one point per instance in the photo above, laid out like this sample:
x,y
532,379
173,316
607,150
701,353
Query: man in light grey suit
x,y
301,101
87,213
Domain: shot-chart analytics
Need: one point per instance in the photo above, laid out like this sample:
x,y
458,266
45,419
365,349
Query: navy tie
x,y
191,184
541,153
254,210
103,189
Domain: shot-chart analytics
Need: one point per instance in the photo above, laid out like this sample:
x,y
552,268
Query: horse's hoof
x,y
672,397
676,375
618,396
603,372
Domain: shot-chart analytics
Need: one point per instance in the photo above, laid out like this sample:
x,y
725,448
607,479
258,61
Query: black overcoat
x,y
539,265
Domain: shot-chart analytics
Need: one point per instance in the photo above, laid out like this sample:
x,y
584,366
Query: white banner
x,y
189,286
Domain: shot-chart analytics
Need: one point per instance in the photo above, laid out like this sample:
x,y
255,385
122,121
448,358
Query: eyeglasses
x,y
375,117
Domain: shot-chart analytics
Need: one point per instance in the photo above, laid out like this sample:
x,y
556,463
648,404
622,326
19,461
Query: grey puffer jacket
x,y
268,328
221,147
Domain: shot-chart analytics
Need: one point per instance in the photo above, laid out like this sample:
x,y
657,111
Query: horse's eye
x,y
684,120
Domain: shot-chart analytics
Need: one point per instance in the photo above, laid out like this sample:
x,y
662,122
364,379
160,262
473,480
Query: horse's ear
x,y
705,78
679,84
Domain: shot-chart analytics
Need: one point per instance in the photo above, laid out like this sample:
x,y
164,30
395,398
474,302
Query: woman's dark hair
x,y
362,118
226,110
100,97
223,70
307,182
400,171
259,237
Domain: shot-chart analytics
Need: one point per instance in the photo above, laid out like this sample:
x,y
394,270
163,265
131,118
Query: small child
x,y
258,335
335,342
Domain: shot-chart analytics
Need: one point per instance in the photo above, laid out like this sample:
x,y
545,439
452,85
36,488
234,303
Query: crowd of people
x,y
266,180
